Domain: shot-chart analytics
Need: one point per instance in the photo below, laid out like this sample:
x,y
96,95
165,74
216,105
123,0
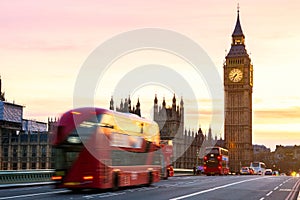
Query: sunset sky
x,y
43,45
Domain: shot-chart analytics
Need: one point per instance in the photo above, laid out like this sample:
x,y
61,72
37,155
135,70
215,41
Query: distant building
x,y
209,141
169,119
287,158
192,141
186,143
263,154
260,149
2,98
125,106
24,144
284,158
287,152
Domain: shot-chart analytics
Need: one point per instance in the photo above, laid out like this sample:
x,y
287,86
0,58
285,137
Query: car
x,y
199,170
275,173
268,172
295,174
251,170
246,171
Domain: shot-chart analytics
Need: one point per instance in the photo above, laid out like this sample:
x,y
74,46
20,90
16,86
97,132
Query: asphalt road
x,y
184,187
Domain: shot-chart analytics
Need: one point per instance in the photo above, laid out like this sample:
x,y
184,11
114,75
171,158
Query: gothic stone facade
x,y
238,83
186,144
126,107
24,144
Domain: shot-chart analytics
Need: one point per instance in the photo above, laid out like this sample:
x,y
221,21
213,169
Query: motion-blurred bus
x,y
216,161
99,148
167,152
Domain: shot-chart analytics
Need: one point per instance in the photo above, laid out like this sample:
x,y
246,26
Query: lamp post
x,y
197,157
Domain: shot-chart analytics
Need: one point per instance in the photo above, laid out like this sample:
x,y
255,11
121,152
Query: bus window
x,y
125,158
127,125
212,150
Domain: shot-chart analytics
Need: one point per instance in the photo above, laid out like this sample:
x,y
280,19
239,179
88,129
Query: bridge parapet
x,y
14,178
25,176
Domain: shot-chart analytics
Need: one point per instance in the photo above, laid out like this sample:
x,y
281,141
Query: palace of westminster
x,y
25,144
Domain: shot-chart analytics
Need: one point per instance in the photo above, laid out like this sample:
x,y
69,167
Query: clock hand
x,y
234,76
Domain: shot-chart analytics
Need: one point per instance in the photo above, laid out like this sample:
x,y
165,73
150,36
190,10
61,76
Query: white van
x,y
258,167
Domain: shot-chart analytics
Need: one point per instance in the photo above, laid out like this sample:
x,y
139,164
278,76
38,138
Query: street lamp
x,y
197,157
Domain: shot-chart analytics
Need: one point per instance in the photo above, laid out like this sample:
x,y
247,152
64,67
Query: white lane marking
x,y
285,190
191,182
293,190
276,188
262,198
24,189
109,194
146,189
269,193
215,188
287,180
168,185
280,185
37,194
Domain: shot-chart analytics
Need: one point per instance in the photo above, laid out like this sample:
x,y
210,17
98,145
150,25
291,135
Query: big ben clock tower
x,y
238,84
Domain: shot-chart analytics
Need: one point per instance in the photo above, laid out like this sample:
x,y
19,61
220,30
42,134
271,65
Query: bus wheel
x,y
150,178
115,180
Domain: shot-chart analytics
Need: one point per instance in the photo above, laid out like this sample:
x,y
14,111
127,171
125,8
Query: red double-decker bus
x,y
99,148
216,161
167,152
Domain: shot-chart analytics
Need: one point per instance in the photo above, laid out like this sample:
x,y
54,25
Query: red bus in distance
x,y
99,148
216,161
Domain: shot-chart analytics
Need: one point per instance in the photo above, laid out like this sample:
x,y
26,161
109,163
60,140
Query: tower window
x,y
237,41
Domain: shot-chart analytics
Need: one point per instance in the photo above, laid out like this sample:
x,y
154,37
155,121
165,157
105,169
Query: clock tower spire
x,y
238,84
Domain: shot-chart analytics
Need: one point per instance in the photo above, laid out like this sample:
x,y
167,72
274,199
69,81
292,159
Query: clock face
x,y
235,75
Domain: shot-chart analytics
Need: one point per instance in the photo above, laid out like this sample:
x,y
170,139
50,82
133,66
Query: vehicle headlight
x,y
293,173
74,140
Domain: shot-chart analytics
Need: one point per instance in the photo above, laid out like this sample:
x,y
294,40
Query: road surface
x,y
175,188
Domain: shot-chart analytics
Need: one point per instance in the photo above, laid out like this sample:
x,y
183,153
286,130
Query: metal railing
x,y
183,171
25,176
12,178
